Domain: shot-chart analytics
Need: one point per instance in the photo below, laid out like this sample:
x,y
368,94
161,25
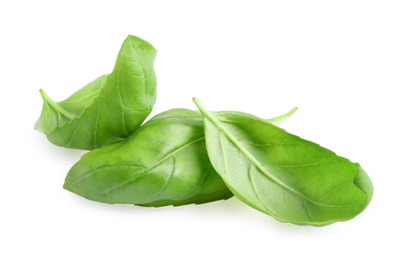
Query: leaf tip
x,y
363,182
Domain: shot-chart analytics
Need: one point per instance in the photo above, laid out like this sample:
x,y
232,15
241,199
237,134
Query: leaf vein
x,y
155,165
144,73
256,193
167,181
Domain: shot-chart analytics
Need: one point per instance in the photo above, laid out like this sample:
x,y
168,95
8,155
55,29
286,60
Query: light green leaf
x,y
282,175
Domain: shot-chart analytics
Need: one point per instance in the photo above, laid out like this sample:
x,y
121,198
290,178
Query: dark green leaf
x,y
109,108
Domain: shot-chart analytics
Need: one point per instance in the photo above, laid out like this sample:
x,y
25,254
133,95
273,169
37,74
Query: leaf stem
x,y
55,105
284,117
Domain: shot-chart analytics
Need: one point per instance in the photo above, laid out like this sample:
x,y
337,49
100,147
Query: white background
x,y
335,60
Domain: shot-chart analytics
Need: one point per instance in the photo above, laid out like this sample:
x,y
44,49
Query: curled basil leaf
x,y
282,175
163,163
109,108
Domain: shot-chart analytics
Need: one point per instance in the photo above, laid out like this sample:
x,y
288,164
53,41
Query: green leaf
x,y
163,163
109,108
282,175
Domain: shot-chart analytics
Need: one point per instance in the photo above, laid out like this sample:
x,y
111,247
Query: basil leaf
x,y
109,108
163,163
282,175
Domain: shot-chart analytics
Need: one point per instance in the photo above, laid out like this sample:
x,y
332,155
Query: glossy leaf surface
x,y
163,163
109,108
282,175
